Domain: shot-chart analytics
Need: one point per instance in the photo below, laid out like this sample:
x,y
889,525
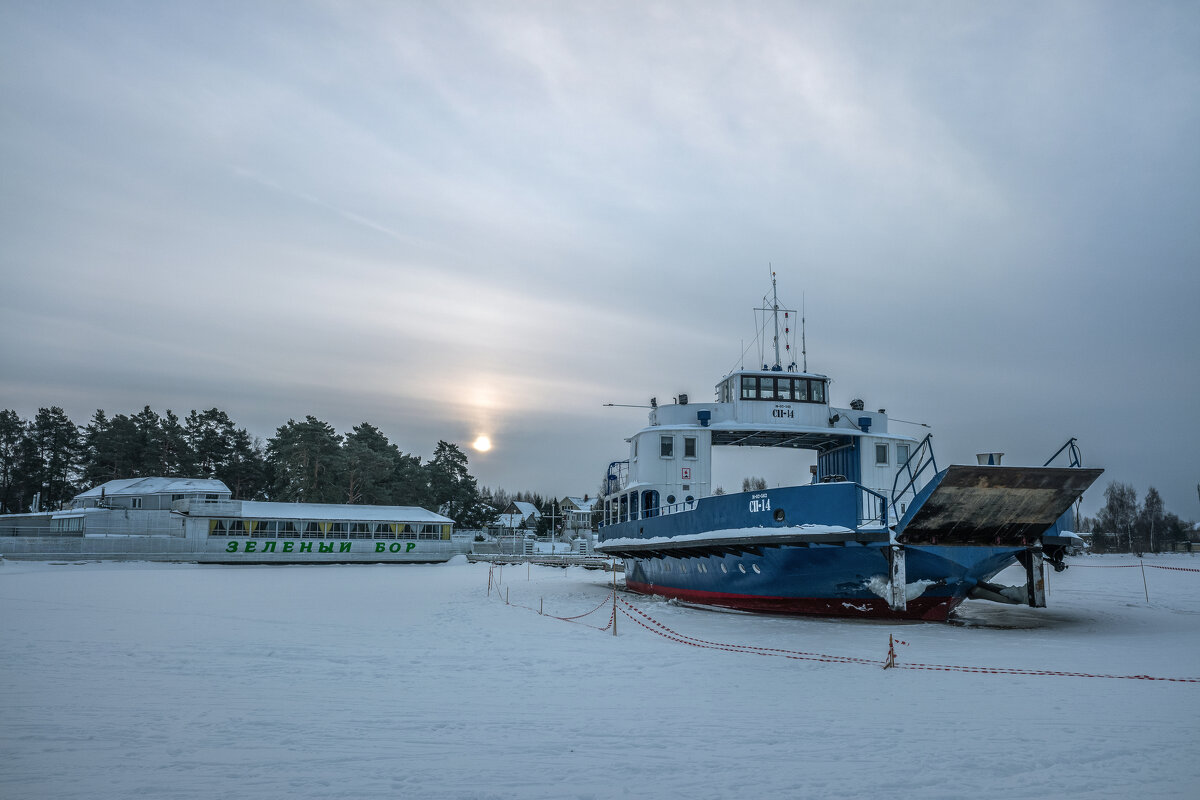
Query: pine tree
x,y
12,433
53,456
369,469
306,462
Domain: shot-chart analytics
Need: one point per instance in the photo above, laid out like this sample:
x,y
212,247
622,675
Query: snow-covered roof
x,y
527,509
509,521
142,486
333,511
581,504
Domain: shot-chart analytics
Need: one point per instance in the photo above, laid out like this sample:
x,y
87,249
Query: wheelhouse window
x,y
689,447
783,388
881,455
816,391
667,446
901,453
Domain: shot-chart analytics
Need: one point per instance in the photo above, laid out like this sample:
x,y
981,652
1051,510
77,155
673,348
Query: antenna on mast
x,y
803,339
775,314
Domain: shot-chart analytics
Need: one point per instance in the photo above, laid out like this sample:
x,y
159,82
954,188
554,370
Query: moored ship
x,y
877,530
192,519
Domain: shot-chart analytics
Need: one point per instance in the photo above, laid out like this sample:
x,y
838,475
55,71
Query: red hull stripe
x,y
934,609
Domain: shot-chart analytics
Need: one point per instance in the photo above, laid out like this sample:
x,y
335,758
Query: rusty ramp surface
x,y
994,506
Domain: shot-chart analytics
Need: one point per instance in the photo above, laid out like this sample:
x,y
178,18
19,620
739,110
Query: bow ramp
x,y
984,505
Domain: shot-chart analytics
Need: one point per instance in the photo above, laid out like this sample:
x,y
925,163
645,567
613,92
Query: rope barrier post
x,y
540,599
1145,586
490,568
891,656
505,595
614,592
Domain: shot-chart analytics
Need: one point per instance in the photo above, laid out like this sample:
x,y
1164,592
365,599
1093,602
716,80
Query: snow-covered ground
x,y
185,681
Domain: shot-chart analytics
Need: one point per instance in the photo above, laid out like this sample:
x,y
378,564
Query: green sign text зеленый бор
x,y
307,547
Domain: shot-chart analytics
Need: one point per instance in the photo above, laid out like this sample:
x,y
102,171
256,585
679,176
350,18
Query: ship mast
x,y
775,313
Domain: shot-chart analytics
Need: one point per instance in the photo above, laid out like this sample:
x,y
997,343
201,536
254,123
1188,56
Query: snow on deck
x,y
186,681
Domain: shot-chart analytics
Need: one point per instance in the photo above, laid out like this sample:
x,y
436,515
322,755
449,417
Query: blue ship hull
x,y
794,550
820,579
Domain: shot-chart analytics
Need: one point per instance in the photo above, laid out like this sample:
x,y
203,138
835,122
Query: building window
x,y
881,455
689,447
901,453
667,446
135,502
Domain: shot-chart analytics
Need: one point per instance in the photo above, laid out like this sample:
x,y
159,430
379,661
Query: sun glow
x,y
482,444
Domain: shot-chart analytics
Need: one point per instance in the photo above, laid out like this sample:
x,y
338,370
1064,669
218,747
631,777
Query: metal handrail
x,y
923,449
616,476
872,507
1072,449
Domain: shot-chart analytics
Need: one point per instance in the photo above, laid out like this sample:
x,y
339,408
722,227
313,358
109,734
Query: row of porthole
x,y
704,568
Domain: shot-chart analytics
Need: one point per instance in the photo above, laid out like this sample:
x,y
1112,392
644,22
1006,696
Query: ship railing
x,y
872,509
1074,459
647,513
673,508
918,462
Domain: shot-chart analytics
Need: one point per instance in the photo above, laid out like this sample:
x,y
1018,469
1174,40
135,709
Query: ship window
x,y
689,447
901,453
670,499
881,455
287,530
667,446
749,387
801,392
785,388
313,531
766,388
817,391
216,527
337,531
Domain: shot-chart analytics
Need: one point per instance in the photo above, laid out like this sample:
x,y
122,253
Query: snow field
x,y
186,681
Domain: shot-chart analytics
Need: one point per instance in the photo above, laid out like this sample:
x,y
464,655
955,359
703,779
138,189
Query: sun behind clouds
x,y
482,444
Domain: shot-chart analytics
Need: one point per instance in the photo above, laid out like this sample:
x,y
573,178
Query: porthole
x,y
779,515
688,499
724,568
742,568
670,498
756,569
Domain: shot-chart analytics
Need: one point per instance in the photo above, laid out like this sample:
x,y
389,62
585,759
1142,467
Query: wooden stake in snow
x,y
891,656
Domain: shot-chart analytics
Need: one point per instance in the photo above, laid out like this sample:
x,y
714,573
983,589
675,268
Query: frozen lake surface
x,y
186,681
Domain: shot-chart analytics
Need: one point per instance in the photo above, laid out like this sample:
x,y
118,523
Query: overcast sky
x,y
453,219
